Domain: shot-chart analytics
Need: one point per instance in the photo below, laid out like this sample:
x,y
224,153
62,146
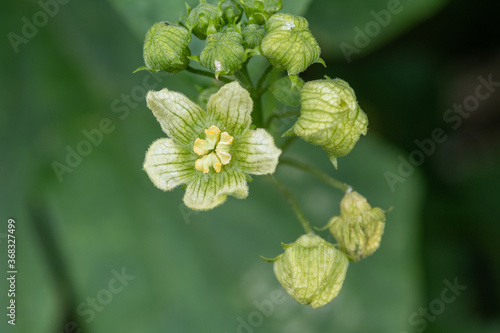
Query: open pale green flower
x,y
210,151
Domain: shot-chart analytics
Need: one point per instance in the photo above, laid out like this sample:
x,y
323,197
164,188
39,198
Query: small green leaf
x,y
284,93
142,68
290,132
272,259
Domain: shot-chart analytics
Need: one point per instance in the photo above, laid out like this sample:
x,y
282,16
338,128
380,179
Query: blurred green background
x,y
201,272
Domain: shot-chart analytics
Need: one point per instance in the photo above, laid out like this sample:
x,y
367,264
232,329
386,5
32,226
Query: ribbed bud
x,y
253,35
311,270
166,48
231,11
289,45
359,228
330,117
223,53
204,20
258,11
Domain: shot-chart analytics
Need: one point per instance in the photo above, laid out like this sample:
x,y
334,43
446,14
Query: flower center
x,y
214,150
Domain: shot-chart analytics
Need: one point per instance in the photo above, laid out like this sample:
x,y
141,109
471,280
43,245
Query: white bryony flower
x,y
210,151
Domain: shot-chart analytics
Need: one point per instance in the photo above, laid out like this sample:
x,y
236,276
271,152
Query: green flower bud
x,y
166,48
359,227
231,11
330,117
203,20
253,35
223,53
289,45
258,11
311,270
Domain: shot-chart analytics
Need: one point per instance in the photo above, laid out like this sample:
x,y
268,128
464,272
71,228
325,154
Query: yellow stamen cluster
x,y
214,150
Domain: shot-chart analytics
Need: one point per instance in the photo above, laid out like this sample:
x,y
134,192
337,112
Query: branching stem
x,y
293,202
207,74
318,174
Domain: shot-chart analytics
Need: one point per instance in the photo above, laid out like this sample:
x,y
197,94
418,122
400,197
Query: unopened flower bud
x,y
204,20
258,11
311,270
253,35
231,11
330,117
359,228
166,48
223,53
289,45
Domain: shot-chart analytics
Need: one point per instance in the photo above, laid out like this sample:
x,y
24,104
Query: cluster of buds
x,y
312,270
283,39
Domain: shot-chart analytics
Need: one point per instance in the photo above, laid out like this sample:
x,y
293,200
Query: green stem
x,y
282,115
291,200
287,143
318,174
207,74
262,79
244,78
257,111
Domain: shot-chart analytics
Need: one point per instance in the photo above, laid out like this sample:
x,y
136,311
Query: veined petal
x,y
209,191
230,108
181,119
168,165
256,153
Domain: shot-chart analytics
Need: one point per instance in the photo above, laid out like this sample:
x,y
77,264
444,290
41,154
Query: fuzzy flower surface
x,y
210,151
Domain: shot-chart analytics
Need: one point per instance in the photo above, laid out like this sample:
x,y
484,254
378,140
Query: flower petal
x,y
209,191
256,153
168,165
230,108
181,119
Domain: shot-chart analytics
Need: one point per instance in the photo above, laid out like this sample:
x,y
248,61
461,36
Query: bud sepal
x,y
259,11
330,117
223,53
359,228
166,48
289,45
311,270
204,19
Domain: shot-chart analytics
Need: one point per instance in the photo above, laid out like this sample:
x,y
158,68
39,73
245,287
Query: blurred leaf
x,y
360,26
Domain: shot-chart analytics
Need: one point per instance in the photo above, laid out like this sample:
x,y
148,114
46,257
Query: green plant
x,y
214,151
